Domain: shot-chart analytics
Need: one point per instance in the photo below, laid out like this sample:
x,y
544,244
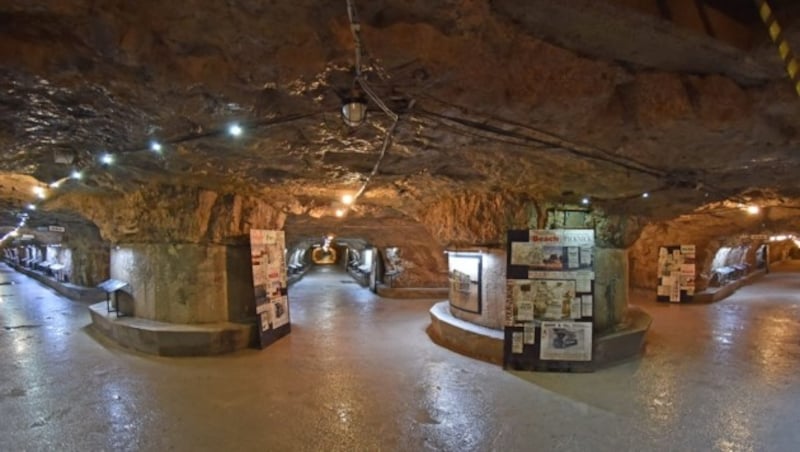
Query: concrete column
x,y
614,235
610,287
186,283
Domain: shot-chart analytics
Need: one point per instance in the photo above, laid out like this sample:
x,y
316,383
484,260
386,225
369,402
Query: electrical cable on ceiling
x,y
355,28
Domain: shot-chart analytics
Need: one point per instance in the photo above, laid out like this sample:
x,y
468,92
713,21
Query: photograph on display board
x,y
280,312
566,341
537,256
553,299
522,294
464,277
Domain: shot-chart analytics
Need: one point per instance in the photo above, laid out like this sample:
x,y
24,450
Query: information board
x,y
270,284
549,300
676,273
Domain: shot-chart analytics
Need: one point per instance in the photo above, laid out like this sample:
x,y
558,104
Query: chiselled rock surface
x,y
499,116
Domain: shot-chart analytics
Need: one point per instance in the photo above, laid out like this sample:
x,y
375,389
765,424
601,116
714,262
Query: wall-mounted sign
x,y
57,229
549,300
465,280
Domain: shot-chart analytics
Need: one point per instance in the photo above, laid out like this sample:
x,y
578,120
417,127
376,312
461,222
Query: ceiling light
x,y
76,175
155,146
31,206
55,184
354,111
14,233
107,159
235,130
347,199
752,210
645,195
339,213
585,201
39,191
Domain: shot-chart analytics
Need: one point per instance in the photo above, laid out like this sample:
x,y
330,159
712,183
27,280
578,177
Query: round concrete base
x,y
168,339
487,344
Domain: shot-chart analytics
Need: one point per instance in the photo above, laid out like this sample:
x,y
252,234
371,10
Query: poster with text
x,y
676,273
270,284
550,284
566,341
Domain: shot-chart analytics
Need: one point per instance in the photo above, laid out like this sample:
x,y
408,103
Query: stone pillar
x,y
610,287
186,283
614,234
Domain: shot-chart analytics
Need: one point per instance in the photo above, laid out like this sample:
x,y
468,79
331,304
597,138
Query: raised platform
x,y
412,292
714,294
71,291
169,339
487,344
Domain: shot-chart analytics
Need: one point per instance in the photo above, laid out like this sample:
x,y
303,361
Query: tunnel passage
x,y
355,259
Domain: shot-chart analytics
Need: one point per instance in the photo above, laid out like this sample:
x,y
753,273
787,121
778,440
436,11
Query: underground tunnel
x,y
532,170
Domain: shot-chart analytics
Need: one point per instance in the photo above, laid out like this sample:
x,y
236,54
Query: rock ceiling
x,y
492,98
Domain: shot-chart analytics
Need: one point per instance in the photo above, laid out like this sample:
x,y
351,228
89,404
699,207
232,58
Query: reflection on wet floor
x,y
359,373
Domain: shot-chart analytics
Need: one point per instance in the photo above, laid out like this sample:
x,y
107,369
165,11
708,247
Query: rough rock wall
x,y
708,232
170,214
477,217
84,254
780,251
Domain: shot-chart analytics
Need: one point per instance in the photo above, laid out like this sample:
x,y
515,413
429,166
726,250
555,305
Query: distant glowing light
x,y
339,213
31,206
76,175
585,201
645,195
107,159
752,210
347,199
155,146
235,130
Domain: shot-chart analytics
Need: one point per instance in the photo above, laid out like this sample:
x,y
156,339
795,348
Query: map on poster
x,y
543,300
566,341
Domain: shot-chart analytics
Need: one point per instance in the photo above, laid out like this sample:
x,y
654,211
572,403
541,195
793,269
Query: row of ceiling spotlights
x,y
235,130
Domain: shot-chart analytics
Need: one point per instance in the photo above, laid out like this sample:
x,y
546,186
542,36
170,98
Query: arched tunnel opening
x,y
354,260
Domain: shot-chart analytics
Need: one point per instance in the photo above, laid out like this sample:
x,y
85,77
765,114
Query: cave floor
x,y
358,372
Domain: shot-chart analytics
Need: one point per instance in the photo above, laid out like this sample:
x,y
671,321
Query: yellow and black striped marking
x,y
775,32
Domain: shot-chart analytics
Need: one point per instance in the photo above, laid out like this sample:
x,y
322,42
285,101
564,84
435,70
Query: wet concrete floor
x,y
358,372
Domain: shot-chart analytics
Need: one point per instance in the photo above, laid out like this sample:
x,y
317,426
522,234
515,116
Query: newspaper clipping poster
x,y
269,281
566,341
550,289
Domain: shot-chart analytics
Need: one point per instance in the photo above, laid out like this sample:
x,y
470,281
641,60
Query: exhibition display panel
x,y
270,285
549,300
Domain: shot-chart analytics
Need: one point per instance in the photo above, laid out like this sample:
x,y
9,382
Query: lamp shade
x,y
354,111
